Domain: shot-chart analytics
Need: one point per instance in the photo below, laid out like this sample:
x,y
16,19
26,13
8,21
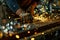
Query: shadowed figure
x,y
15,5
18,6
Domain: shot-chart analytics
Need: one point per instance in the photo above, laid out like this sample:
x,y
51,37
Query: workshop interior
x,y
29,19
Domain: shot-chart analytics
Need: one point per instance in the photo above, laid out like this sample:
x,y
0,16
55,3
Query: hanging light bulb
x,y
9,17
42,33
17,36
10,34
32,38
3,27
28,31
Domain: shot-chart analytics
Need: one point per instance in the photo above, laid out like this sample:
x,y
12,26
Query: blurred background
x,y
45,25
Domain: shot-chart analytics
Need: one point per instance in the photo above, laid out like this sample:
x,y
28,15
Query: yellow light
x,y
3,27
1,34
32,38
46,12
10,34
25,25
17,36
9,17
25,38
42,33
28,31
41,18
42,9
35,33
44,0
54,4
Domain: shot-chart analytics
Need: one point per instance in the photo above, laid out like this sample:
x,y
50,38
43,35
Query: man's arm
x,y
13,5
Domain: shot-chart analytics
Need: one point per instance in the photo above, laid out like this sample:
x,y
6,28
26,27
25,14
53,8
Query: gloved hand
x,y
21,13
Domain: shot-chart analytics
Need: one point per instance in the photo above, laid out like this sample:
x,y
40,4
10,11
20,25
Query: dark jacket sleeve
x,y
12,4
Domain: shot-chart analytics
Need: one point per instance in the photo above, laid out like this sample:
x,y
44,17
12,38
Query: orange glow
x,y
35,33
28,31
